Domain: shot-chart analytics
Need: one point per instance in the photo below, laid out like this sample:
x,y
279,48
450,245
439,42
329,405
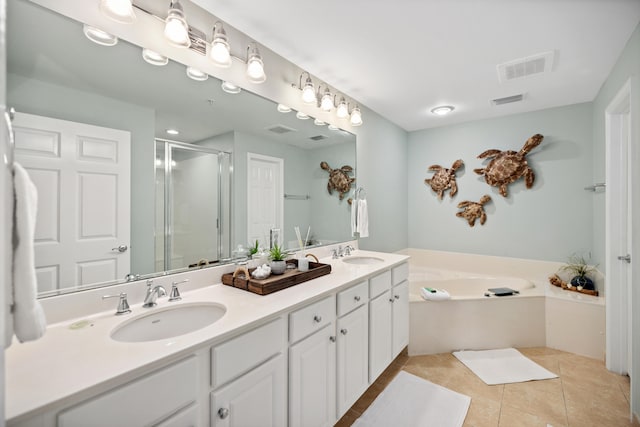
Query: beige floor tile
x,y
482,413
512,417
543,398
540,351
606,402
466,382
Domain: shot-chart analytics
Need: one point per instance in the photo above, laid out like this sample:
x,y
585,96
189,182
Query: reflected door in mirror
x,y
82,174
265,192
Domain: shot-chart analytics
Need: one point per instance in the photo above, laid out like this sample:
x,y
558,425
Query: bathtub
x,y
539,315
471,320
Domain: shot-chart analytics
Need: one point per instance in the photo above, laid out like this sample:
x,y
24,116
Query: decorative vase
x,y
278,267
583,281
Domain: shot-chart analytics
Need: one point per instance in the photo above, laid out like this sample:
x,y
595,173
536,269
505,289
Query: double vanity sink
x,y
90,353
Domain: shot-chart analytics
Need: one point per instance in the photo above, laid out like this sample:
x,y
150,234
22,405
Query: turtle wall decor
x,y
444,179
506,167
339,179
474,210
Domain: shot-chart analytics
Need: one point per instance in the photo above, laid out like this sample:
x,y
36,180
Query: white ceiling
x,y
402,58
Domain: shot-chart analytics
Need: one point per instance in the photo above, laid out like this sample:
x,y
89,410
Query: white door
x,y
353,356
619,197
312,380
400,318
82,174
257,399
265,196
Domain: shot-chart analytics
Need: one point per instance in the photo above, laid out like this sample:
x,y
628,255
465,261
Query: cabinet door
x,y
353,357
256,399
312,380
379,334
400,317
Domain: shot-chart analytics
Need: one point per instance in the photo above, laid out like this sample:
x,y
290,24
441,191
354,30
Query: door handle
x,y
626,258
121,248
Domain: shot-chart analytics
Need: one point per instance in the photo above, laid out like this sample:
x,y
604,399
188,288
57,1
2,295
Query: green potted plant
x,y
277,255
579,268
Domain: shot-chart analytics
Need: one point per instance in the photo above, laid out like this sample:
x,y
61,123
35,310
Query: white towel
x,y
362,221
354,219
28,321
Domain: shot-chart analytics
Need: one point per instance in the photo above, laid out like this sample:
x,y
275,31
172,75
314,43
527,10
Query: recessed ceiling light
x,y
230,87
99,36
442,110
154,58
196,74
283,108
172,131
301,115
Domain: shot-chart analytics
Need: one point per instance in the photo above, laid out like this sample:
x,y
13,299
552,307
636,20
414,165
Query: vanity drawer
x,y
400,273
353,297
141,402
311,318
379,284
241,354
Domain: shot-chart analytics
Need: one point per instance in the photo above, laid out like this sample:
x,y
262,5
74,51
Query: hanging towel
x,y
362,221
354,219
28,321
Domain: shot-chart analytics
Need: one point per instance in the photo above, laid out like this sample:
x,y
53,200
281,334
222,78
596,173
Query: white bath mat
x,y
412,401
503,366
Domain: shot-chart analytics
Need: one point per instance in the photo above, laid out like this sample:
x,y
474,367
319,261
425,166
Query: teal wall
x,y
550,221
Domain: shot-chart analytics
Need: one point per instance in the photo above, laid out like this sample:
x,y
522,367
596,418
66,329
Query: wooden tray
x,y
275,282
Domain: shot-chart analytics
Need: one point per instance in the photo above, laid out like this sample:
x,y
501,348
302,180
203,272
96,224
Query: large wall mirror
x,y
237,169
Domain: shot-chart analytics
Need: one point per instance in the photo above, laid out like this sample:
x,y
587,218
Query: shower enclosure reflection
x,y
190,224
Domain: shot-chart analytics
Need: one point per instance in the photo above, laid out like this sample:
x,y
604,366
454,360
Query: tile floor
x,y
584,395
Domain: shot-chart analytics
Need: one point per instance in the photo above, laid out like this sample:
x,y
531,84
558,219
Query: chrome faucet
x,y
348,249
153,292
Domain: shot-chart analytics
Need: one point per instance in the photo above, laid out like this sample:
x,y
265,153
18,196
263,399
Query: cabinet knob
x,y
223,413
396,296
357,298
391,300
317,318
332,338
343,331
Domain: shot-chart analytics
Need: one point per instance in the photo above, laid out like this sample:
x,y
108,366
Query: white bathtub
x,y
539,315
471,320
473,287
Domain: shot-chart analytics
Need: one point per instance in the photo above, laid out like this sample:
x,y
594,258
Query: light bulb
x,y
99,36
118,10
154,58
176,29
196,74
356,117
326,103
220,52
308,92
255,67
342,111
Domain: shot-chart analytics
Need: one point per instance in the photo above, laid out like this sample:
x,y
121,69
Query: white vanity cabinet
x,y
312,365
388,318
150,400
352,346
249,379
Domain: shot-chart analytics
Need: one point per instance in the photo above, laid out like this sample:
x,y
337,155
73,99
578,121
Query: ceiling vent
x,y
524,67
280,129
507,99
318,137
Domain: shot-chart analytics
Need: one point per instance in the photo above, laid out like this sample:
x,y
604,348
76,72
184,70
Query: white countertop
x,y
67,363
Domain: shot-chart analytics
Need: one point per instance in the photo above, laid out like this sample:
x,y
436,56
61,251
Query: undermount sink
x,y
362,260
168,322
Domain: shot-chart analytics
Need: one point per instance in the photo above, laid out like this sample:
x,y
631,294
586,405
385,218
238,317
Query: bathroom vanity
x,y
301,356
